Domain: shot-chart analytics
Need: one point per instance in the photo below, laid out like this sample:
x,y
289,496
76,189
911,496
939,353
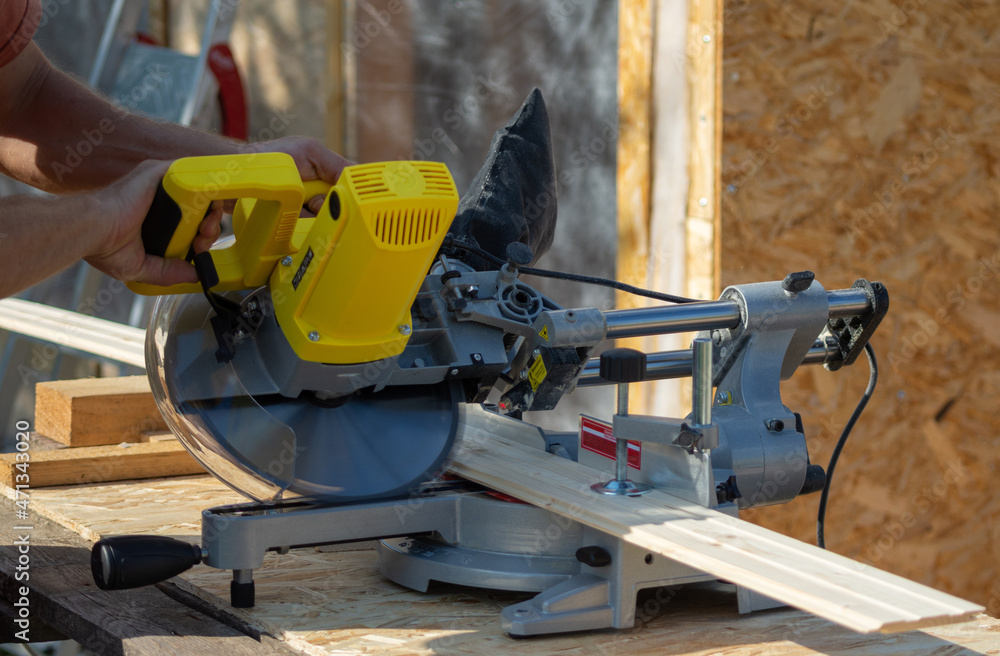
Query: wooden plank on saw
x,y
96,411
836,588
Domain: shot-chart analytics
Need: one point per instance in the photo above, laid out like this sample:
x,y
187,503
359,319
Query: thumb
x,y
156,270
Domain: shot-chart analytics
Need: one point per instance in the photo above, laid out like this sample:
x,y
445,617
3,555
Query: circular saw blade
x,y
377,445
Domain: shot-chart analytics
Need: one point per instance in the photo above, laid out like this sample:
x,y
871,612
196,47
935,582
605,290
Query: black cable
x,y
824,497
575,277
605,282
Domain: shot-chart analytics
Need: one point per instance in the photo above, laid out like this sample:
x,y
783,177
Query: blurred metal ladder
x,y
159,82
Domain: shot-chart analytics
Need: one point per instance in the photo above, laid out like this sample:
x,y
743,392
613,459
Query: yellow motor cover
x,y
346,296
352,272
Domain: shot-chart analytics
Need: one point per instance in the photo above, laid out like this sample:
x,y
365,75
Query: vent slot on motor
x,y
406,227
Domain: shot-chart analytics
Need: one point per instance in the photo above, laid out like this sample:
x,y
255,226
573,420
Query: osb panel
x,y
860,141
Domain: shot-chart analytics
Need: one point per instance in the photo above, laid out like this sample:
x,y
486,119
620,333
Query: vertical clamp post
x,y
622,366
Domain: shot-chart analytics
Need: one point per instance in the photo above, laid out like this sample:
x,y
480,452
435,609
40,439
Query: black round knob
x,y
334,205
623,365
593,556
798,281
242,595
131,561
519,254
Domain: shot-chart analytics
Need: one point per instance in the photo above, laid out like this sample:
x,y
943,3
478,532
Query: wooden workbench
x,y
320,601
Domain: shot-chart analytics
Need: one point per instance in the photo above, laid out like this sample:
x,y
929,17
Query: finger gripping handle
x,y
269,182
132,561
161,222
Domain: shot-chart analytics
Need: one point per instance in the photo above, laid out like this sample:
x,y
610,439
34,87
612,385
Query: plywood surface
x,y
860,141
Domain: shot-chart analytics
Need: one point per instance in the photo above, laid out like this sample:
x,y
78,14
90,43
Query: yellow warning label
x,y
544,333
537,373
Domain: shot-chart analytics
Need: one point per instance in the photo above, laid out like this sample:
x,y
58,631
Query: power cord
x,y
825,496
573,277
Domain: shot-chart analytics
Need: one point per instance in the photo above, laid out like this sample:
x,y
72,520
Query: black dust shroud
x,y
513,197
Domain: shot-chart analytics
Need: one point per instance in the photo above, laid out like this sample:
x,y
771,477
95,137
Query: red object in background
x,y
232,100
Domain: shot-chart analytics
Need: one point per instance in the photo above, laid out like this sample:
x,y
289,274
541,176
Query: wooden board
x,y
326,603
78,331
96,411
841,590
86,464
669,78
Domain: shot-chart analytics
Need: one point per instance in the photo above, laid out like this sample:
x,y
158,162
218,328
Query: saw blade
x,y
376,445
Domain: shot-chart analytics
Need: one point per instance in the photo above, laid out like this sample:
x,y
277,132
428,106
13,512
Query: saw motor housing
x,y
345,296
341,283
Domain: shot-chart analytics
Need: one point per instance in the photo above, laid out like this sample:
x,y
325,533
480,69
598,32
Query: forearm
x,y
42,236
64,137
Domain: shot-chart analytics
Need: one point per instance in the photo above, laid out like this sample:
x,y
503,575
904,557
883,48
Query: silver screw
x,y
454,372
524,374
722,397
314,336
286,261
536,352
477,357
405,329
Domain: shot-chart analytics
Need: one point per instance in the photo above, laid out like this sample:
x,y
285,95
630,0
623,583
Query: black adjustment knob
x,y
728,491
798,281
132,561
242,595
815,479
593,556
623,365
519,254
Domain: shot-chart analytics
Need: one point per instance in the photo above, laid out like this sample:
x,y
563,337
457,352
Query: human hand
x,y
314,161
120,252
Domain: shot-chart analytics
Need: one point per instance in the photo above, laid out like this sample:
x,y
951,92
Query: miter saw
x,y
325,367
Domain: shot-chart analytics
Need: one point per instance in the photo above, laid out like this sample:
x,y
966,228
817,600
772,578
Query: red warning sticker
x,y
596,436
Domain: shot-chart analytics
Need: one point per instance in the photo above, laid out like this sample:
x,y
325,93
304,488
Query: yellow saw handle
x,y
266,221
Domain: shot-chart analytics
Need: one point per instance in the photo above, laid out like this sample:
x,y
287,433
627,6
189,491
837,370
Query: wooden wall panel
x,y
860,140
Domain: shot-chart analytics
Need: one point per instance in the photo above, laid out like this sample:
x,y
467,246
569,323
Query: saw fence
x,y
327,600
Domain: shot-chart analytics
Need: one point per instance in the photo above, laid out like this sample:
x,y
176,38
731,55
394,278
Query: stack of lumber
x,y
98,429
